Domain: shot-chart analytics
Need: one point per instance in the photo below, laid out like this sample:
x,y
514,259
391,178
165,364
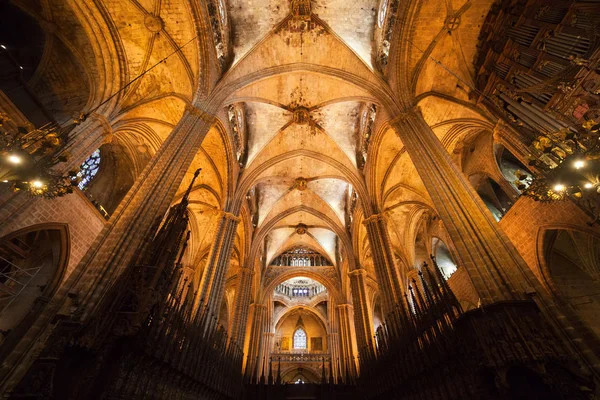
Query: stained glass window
x,y
300,339
89,169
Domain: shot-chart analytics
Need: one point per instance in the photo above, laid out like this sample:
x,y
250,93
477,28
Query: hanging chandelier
x,y
28,159
567,166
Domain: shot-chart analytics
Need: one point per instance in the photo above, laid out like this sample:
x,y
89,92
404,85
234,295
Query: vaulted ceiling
x,y
305,89
309,83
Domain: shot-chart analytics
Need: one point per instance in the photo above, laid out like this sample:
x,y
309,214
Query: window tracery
x,y
89,169
300,338
301,257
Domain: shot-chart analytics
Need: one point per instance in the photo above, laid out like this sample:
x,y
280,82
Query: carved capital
x,y
373,218
203,115
230,216
346,307
258,307
357,272
405,116
107,131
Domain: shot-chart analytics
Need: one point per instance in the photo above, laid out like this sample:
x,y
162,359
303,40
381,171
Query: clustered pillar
x,y
346,360
243,297
362,319
485,252
145,204
212,285
258,312
383,259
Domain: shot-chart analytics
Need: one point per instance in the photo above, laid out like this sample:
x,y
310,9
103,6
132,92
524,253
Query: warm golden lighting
x,y
37,184
579,164
588,185
14,159
559,187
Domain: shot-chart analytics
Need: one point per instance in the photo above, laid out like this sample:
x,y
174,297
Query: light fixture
x,y
14,159
578,164
588,185
3,46
29,157
559,187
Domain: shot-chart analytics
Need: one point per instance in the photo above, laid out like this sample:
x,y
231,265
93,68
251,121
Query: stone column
x,y
87,138
147,201
117,245
485,251
334,352
266,350
212,285
243,296
346,359
511,140
383,260
258,312
363,321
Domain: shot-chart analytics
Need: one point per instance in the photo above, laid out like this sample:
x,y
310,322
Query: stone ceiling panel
x,y
304,217
251,20
269,193
354,21
307,199
302,137
275,239
295,167
300,89
327,239
334,192
340,121
263,122
299,41
295,240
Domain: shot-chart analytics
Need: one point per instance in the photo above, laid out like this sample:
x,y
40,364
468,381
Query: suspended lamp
x,y
567,166
28,158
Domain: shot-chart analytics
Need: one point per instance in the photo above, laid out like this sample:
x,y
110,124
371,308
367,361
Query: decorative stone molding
x,y
301,9
154,23
301,229
357,272
301,116
203,115
373,218
230,216
300,184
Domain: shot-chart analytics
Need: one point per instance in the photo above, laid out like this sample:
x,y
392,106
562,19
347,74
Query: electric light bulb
x,y
14,159
579,164
559,187
5,181
3,46
37,184
588,185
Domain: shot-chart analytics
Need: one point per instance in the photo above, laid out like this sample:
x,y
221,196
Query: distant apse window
x,y
89,169
300,339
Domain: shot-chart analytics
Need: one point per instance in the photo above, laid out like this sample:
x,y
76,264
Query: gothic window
x,y
223,12
300,339
89,169
382,12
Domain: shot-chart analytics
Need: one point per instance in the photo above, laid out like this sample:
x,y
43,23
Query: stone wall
x,y
83,220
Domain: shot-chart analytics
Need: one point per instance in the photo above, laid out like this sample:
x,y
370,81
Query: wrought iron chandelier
x,y
567,166
28,159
